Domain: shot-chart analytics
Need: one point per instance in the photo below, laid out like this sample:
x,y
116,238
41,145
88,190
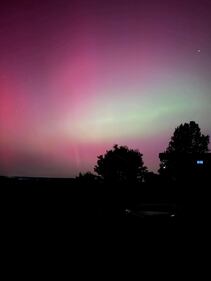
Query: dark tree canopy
x,y
187,140
87,178
121,165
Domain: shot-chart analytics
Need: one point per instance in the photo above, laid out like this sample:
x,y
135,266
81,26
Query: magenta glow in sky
x,y
77,77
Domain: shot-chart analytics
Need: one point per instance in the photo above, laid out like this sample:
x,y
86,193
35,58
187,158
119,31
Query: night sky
x,y
77,77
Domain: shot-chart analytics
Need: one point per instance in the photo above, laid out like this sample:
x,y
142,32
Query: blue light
x,y
200,162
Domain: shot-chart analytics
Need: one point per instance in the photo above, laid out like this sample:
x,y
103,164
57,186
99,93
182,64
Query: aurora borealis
x,y
77,77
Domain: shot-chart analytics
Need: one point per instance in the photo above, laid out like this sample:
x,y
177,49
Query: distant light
x,y
173,215
198,51
199,162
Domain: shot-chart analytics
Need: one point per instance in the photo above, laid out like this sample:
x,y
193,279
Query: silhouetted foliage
x,y
87,178
187,140
151,178
121,165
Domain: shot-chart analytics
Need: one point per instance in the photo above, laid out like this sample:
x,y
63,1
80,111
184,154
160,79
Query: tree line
x,y
122,165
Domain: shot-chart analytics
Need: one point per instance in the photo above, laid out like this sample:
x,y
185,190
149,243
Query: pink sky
x,y
77,77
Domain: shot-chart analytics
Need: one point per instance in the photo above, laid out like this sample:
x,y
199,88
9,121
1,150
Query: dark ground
x,y
88,225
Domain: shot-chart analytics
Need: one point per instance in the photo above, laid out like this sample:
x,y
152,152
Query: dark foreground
x,y
92,223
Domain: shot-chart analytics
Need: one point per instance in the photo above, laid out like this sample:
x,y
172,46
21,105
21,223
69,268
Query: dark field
x,y
57,215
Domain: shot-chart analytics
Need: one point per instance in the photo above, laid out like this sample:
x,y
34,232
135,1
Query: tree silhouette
x,y
87,178
121,165
187,140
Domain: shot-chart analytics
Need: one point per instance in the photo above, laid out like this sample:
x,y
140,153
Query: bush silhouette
x,y
87,178
121,165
